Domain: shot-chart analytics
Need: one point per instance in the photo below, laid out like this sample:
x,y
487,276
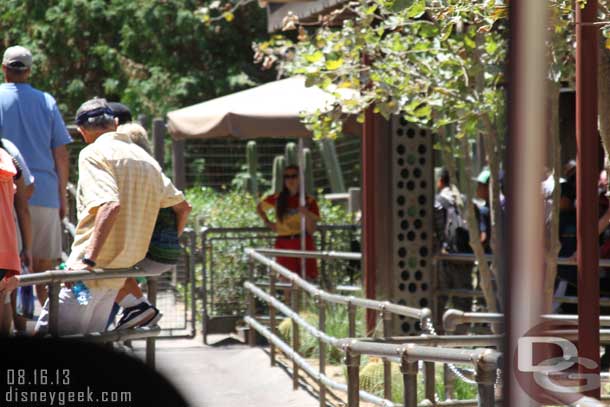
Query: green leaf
x,y
334,64
315,57
423,112
417,9
400,5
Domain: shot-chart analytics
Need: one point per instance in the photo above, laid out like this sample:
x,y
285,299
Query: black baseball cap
x,y
120,112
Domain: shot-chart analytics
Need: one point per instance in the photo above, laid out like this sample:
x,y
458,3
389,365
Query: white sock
x,y
131,301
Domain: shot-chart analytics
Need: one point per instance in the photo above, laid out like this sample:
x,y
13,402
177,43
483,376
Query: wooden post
x,y
352,362
387,366
178,164
409,377
587,173
159,141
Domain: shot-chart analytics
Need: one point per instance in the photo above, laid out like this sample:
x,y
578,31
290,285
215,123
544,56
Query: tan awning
x,y
270,110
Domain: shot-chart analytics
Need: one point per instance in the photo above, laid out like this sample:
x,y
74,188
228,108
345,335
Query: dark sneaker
x,y
154,320
136,316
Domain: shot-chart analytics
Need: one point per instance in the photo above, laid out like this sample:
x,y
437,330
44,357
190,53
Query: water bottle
x,y
81,292
25,297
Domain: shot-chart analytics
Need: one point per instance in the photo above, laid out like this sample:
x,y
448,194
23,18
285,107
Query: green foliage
x,y
226,259
336,325
371,380
154,56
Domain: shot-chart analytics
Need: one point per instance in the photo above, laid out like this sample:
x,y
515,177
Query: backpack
x,y
456,236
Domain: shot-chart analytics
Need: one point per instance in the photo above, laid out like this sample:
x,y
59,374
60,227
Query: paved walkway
x,y
230,375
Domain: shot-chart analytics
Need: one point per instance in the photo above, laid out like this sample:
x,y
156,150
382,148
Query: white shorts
x,y
46,232
75,318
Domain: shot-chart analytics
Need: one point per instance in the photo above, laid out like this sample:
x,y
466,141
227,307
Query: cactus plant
x,y
309,184
252,161
331,162
291,153
278,174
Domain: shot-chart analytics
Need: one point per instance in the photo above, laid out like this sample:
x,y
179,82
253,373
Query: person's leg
x,y
18,320
6,314
73,317
137,311
46,243
130,287
102,301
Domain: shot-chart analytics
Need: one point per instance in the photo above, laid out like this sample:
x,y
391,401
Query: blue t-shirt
x,y
31,120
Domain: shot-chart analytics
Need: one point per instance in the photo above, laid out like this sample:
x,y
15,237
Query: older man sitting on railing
x,y
120,190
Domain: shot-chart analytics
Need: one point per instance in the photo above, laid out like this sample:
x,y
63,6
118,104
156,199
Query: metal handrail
x,y
453,317
311,254
60,276
486,361
423,314
54,277
469,258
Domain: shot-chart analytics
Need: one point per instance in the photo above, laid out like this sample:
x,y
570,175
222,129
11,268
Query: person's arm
x,y
25,224
105,218
263,215
182,210
603,222
62,166
311,219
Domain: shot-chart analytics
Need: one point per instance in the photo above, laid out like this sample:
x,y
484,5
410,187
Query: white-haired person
x,y
163,251
120,191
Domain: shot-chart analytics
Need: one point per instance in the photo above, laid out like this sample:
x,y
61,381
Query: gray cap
x,y
17,57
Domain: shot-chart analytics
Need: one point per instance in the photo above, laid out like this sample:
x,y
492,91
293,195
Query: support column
x,y
587,172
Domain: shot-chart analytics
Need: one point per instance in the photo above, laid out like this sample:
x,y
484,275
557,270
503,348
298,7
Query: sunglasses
x,y
291,176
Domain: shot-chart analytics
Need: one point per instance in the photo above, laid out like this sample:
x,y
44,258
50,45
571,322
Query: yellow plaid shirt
x,y
113,169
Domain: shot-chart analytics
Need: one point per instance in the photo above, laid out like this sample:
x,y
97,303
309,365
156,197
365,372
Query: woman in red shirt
x,y
287,223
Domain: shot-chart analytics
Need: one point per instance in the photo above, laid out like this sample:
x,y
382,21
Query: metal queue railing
x,y
216,320
407,351
470,258
54,278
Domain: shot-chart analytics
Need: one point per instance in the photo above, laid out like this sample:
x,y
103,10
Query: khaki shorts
x,y
46,232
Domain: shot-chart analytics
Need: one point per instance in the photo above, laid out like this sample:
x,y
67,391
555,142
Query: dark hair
x,y
281,207
444,176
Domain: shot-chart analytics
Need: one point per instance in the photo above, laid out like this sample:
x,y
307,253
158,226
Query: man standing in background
x,y
31,120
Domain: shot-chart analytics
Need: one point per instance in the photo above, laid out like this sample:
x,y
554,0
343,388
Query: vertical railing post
x,y
251,304
486,380
351,315
322,347
387,366
409,377
204,288
430,381
272,323
449,380
352,362
295,300
150,342
54,309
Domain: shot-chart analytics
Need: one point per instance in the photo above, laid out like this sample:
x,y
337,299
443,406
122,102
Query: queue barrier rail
x,y
54,278
407,351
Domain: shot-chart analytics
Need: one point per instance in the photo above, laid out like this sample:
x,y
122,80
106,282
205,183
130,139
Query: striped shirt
x,y
113,169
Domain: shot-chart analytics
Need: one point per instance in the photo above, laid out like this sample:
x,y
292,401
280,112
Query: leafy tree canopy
x,y
153,55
